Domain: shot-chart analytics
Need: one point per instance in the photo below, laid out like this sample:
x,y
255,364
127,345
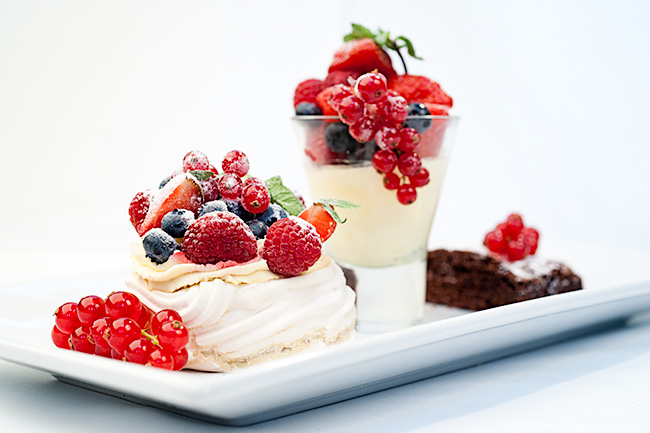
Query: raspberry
x,y
416,88
139,207
292,246
217,237
307,91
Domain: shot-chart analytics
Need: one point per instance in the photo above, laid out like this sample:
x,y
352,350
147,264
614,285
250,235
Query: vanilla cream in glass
x,y
383,241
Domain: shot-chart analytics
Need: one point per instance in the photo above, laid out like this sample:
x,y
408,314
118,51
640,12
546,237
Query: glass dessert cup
x,y
383,241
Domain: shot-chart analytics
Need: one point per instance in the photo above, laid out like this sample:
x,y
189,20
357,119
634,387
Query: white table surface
x,y
597,383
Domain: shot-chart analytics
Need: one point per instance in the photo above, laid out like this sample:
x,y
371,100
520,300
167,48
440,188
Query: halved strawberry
x,y
322,101
415,88
181,192
362,55
320,219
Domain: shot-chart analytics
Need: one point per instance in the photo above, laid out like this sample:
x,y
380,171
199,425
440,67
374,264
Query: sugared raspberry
x,y
292,246
217,237
139,207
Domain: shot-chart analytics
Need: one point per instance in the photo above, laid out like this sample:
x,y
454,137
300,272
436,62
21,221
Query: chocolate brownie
x,y
476,281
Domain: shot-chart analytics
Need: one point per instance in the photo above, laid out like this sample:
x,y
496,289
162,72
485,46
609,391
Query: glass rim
x,y
322,117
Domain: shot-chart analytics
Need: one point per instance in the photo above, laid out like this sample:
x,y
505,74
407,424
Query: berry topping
x,y
255,197
384,161
235,206
176,222
365,129
195,160
409,163
159,245
416,88
158,340
322,221
230,185
362,55
417,109
308,109
272,214
350,110
339,77
213,206
138,208
512,239
323,101
219,236
307,91
292,246
66,318
258,228
210,188
338,138
406,193
371,87
235,162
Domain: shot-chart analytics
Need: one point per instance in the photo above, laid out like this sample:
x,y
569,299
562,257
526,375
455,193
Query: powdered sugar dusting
x,y
531,267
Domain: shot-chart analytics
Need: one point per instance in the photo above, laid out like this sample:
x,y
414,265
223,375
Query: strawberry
x,y
415,88
307,91
138,208
339,77
181,192
292,246
362,55
437,110
320,219
322,101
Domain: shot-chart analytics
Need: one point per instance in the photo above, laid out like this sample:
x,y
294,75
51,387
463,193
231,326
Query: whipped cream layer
x,y
245,314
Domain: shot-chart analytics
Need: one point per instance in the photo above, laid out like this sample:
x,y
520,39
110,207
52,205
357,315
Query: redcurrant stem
x,y
396,48
150,337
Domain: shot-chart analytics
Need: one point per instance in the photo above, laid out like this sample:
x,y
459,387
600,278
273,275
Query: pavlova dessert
x,y
239,262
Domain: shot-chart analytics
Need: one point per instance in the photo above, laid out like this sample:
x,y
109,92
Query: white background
x,y
101,99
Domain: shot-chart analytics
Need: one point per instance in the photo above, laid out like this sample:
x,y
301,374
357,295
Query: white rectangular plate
x,y
449,340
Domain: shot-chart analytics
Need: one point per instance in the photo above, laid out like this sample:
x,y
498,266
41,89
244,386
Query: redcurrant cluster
x,y
121,327
371,111
512,239
230,184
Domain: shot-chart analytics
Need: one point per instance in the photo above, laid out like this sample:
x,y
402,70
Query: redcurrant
x,y
123,304
365,129
230,186
160,358
384,160
371,87
406,193
256,197
90,308
388,137
138,351
420,178
394,109
60,339
392,181
351,109
161,317
66,318
235,162
173,335
409,163
409,139
195,160
122,332
81,341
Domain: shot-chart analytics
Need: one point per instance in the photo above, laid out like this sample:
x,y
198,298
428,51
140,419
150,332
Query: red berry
x,y
210,188
146,315
351,110
409,139
160,358
60,339
514,224
409,163
323,102
235,162
420,178
173,335
219,236
138,208
180,358
256,197
393,110
384,161
337,94
388,137
365,129
230,185
531,238
66,318
117,355
99,332
81,341
123,304
161,317
121,332
138,351
195,160
322,221
307,91
420,89
406,193
340,77
392,181
371,88
516,250
292,246
495,242
213,169
90,308
106,352
251,180
362,55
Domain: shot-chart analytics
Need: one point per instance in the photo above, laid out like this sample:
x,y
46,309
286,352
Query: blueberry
x,y
258,228
176,222
165,181
235,206
365,151
159,245
338,139
213,206
272,213
420,125
308,109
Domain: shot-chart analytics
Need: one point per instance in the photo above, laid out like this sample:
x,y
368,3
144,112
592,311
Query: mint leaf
x,y
409,47
358,32
202,174
329,203
283,196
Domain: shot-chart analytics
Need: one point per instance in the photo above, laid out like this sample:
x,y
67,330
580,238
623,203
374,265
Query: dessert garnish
x,y
378,109
512,240
121,327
